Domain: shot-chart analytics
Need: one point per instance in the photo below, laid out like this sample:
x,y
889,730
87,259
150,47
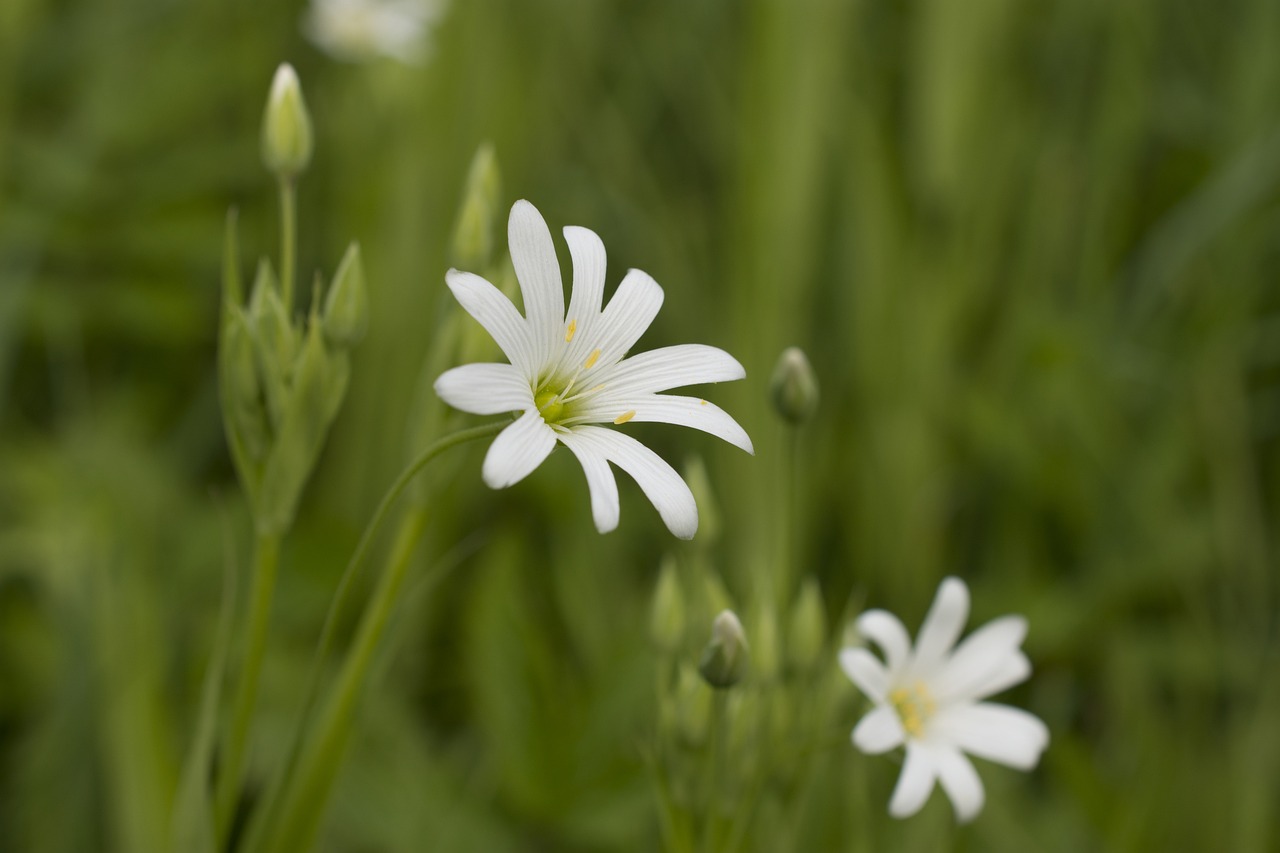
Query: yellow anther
x,y
914,707
624,417
591,359
702,402
569,333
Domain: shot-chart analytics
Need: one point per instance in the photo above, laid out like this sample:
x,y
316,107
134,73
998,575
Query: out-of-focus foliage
x,y
1029,249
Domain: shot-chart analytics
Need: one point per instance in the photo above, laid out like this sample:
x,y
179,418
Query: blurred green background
x,y
1029,248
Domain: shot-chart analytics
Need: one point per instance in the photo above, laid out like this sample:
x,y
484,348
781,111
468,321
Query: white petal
x,y
879,731
485,389
985,652
518,450
681,411
584,302
661,484
995,732
865,671
600,480
499,317
671,367
626,317
915,783
1013,669
960,781
888,632
942,625
534,257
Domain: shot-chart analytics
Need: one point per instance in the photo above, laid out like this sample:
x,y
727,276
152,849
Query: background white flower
x,y
361,30
928,699
568,373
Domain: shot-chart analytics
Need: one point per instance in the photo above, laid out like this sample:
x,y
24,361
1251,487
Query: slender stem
x,y
719,757
316,750
288,239
266,560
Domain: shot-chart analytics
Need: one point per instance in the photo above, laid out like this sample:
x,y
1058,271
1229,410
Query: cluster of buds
x,y
282,377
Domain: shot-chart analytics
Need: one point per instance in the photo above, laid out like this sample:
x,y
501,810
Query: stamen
x,y
702,402
591,359
569,333
624,417
914,707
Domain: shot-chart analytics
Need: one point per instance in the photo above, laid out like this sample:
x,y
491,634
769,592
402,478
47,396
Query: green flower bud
x,y
724,661
306,421
473,232
666,620
275,341
808,629
794,388
286,126
346,309
695,474
241,393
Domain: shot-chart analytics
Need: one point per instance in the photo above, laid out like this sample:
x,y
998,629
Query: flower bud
x,y
724,661
274,340
666,620
473,233
346,309
808,629
286,126
794,388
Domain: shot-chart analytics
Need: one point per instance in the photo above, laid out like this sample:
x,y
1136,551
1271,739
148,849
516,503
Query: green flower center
x,y
549,405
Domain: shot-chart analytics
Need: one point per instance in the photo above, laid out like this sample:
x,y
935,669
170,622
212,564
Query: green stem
x,y
266,560
292,815
288,239
719,758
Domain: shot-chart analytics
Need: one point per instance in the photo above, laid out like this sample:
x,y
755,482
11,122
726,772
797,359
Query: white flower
x,y
361,30
568,374
928,698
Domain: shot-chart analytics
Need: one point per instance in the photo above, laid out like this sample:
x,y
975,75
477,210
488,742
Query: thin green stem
x,y
286,823
288,239
266,561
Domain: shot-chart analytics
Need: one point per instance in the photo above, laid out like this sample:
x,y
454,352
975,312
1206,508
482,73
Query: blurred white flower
x,y
361,30
568,374
928,698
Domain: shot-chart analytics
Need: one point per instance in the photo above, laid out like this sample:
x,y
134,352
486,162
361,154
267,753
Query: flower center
x,y
914,706
555,396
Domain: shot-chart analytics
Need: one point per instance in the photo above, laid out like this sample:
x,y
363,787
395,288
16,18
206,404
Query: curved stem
x,y
266,560
315,752
288,239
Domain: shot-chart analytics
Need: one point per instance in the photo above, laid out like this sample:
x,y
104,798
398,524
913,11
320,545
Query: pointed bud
x,y
808,629
300,436
666,621
724,661
286,126
242,397
274,340
695,474
473,233
346,310
794,388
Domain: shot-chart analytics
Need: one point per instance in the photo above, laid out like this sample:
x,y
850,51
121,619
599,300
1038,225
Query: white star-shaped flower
x,y
929,698
568,375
